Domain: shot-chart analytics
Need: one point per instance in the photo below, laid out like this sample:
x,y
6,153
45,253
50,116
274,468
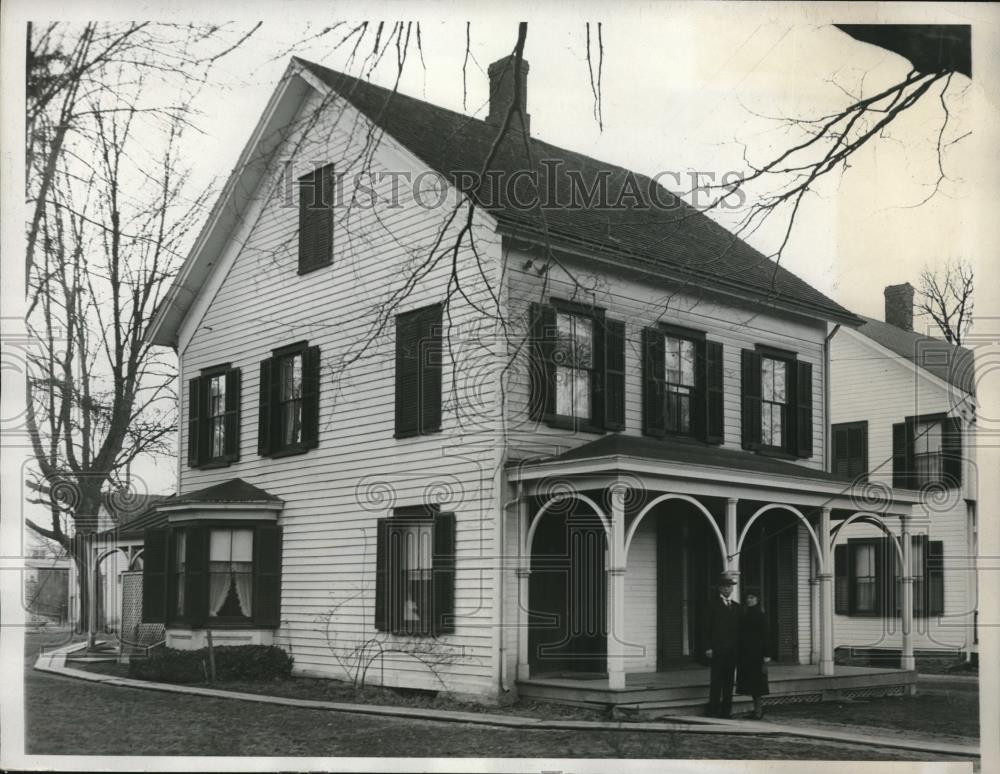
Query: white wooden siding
x,y
335,493
868,385
640,600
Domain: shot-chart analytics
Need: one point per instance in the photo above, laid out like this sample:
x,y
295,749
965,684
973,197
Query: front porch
x,y
619,545
685,691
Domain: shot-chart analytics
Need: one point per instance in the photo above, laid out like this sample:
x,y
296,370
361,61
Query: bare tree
x,y
946,296
111,211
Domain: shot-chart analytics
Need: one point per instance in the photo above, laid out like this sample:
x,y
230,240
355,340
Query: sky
x,y
686,88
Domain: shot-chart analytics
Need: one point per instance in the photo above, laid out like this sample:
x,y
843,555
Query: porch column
x,y
814,619
732,560
616,583
91,553
826,594
907,660
523,573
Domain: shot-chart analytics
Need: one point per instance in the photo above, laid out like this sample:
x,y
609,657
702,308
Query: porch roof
x,y
701,469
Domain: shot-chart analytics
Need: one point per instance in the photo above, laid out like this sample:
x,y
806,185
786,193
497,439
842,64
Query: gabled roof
x,y
670,450
665,236
955,365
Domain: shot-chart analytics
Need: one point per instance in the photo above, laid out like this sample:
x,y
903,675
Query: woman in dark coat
x,y
751,677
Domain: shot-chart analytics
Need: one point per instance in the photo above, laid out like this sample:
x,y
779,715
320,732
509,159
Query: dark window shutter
x,y
951,451
154,575
597,370
443,621
841,588
841,456
751,398
857,451
614,375
407,375
803,410
194,421
196,576
714,393
934,574
316,219
382,575
267,575
653,378
310,397
902,455
542,402
265,416
231,441
430,365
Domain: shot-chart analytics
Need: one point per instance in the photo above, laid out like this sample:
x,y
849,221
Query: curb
x,y
54,663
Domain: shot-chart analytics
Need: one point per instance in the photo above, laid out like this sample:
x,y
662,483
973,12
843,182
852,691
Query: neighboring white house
x,y
904,415
455,448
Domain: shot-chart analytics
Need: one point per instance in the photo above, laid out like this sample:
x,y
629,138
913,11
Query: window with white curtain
x,y
230,567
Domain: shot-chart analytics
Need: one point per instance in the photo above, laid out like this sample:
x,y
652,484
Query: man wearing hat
x,y
722,625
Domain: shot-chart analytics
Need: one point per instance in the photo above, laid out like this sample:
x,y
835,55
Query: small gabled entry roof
x,y
235,491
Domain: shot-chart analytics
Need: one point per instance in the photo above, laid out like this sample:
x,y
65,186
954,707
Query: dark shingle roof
x,y
235,490
669,450
665,236
955,365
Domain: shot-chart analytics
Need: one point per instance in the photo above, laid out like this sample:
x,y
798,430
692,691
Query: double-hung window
x,y
868,580
849,447
682,384
776,402
415,572
288,420
213,572
214,417
927,451
419,368
230,573
577,367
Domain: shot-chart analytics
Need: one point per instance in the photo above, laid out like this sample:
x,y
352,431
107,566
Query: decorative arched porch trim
x,y
686,498
102,556
779,506
867,517
136,555
530,537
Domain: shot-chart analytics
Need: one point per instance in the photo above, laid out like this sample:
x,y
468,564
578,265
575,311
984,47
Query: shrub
x,y
232,662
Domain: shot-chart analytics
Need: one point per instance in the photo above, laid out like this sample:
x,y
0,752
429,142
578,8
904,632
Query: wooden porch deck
x,y
686,690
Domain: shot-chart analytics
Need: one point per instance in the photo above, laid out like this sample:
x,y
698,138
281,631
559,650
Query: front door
x,y
768,564
568,594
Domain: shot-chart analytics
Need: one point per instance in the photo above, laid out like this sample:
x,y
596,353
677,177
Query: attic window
x,y
316,219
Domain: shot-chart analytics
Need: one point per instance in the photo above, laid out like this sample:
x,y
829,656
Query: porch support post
x,y
907,661
616,582
826,594
814,621
523,573
732,535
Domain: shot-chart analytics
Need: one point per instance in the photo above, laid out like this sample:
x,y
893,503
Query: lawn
x,y
955,714
73,717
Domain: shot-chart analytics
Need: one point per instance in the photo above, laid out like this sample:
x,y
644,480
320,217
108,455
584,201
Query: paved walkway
x,y
54,662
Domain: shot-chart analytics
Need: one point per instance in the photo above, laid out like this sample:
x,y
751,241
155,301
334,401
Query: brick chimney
x,y
899,306
501,74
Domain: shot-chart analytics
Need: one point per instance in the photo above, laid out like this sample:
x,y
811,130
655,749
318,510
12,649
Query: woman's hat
x,y
727,580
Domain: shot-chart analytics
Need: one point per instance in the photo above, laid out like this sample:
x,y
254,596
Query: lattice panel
x,y
803,698
861,693
135,635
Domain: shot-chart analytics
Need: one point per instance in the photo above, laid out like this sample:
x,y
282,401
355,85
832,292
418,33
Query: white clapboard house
x,y
903,412
493,449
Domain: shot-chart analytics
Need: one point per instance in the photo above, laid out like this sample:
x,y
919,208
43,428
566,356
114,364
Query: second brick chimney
x,y
501,74
899,306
